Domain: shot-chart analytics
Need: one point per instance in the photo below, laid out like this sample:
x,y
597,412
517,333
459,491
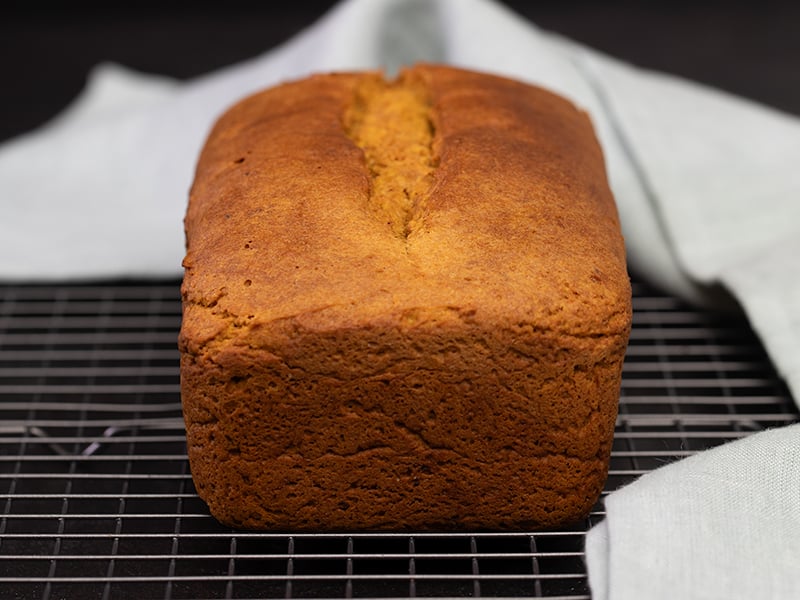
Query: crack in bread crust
x,y
391,123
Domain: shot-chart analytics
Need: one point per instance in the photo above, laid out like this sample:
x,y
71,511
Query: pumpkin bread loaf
x,y
405,307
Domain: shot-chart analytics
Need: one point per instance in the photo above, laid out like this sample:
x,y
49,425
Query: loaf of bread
x,y
405,307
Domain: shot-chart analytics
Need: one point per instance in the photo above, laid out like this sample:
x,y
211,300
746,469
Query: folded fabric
x,y
724,523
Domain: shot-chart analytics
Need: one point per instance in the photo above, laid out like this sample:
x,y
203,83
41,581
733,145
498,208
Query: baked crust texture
x,y
405,307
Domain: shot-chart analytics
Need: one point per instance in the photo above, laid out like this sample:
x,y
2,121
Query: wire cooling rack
x,y
97,500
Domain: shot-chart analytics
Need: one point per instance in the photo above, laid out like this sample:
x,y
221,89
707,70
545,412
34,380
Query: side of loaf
x,y
405,307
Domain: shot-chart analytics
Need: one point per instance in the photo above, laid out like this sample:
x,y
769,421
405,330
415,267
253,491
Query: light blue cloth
x,y
724,523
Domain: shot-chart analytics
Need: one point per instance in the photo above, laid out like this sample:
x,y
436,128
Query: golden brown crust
x,y
460,370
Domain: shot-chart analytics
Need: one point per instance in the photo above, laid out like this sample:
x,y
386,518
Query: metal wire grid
x,y
97,500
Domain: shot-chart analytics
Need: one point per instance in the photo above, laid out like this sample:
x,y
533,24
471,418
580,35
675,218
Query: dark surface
x,y
751,49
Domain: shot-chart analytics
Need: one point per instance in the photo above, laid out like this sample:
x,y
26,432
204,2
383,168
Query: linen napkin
x,y
707,187
720,524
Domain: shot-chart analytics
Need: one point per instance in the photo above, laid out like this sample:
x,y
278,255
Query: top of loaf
x,y
344,199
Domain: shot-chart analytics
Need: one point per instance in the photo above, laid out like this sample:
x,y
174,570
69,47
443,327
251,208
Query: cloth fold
x,y
720,524
706,184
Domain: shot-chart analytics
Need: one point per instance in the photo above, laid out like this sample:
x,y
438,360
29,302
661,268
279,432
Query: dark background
x,y
751,49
